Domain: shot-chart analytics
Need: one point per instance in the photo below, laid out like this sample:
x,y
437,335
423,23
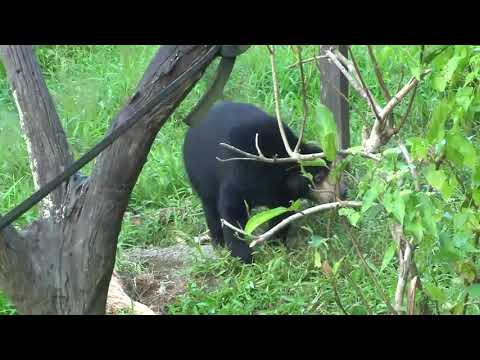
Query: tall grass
x,y
90,84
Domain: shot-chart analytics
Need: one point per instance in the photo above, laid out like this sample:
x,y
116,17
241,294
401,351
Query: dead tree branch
x,y
44,135
257,239
45,279
404,259
300,157
381,131
304,99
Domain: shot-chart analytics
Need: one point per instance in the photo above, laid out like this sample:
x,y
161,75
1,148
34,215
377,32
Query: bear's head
x,y
317,187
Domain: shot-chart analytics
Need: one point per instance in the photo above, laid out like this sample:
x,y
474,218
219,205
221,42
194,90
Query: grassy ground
x,y
89,85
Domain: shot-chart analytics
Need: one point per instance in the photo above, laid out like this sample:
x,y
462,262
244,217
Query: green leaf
x,y
295,205
429,57
436,293
418,147
427,211
460,150
317,241
438,179
467,271
317,260
474,291
457,309
415,228
336,172
315,162
394,203
436,131
465,220
262,217
371,195
352,215
476,196
337,265
389,254
441,80
464,97
476,176
391,152
327,131
416,72
307,175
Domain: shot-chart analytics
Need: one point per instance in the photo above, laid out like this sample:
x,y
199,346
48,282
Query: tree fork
x,y
63,265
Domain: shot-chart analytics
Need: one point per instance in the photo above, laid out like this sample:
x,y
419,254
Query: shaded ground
x,y
164,273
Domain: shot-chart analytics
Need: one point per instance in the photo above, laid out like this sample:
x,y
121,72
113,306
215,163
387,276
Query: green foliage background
x,y
91,83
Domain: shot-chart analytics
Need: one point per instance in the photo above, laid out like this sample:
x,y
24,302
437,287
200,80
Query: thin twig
x,y
407,113
306,61
257,146
304,98
371,100
386,94
367,268
271,51
465,300
359,293
402,76
378,73
337,90
299,157
257,239
336,295
401,94
410,163
353,82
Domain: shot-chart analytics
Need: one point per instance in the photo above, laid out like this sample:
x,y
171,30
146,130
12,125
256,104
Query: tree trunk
x,y
333,84
63,264
46,141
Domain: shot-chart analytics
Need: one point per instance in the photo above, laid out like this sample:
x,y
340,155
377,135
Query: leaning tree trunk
x,y
63,262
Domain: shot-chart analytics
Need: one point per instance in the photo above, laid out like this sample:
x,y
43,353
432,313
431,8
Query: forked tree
x,y
62,262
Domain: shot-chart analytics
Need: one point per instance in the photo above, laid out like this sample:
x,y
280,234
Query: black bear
x,y
225,188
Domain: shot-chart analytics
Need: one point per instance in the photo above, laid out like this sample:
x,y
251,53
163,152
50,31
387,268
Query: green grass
x,y
91,83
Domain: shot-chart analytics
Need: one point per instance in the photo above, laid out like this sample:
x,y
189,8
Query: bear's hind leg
x,y
213,222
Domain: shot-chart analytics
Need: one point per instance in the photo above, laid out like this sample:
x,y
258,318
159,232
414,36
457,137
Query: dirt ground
x,y
165,276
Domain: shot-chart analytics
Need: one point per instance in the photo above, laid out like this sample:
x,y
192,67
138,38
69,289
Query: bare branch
x,y
411,296
304,98
300,157
46,141
306,61
378,287
353,81
258,147
400,95
411,165
267,235
371,100
271,50
404,258
48,281
407,113
378,73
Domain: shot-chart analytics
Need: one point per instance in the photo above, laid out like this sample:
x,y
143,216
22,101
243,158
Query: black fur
x,y
224,187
